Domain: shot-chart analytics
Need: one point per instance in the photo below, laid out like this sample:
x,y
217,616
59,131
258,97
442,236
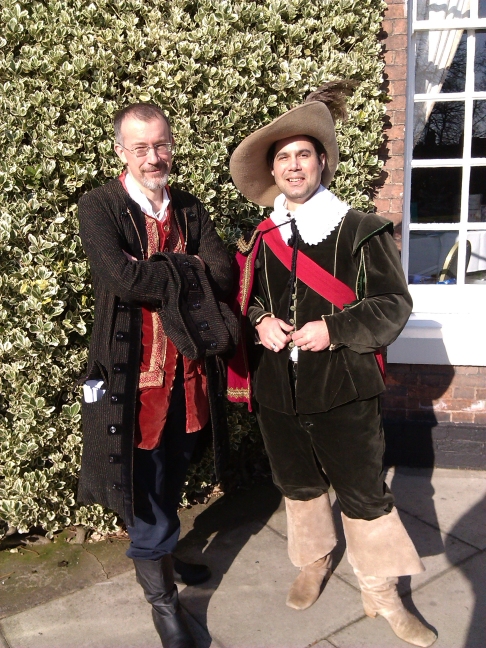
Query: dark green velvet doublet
x,y
362,254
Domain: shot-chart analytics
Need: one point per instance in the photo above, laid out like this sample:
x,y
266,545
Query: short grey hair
x,y
144,111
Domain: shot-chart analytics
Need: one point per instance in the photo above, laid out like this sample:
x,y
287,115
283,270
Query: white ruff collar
x,y
315,219
144,203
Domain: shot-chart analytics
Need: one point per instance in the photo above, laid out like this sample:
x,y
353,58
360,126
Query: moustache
x,y
162,166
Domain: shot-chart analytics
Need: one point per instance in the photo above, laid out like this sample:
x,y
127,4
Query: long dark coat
x,y
361,253
111,223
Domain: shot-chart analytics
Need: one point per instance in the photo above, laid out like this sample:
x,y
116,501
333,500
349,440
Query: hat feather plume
x,y
334,94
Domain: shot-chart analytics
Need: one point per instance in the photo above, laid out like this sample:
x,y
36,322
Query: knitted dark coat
x,y
111,223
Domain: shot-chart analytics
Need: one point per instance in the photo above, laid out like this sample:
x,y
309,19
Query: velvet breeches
x,y
342,447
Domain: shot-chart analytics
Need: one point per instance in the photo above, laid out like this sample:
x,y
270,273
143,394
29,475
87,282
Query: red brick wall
x,y
389,195
440,393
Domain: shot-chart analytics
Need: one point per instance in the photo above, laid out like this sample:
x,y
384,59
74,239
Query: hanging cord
x,y
293,242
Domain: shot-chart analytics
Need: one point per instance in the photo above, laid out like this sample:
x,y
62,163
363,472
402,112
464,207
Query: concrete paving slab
x,y
33,575
109,614
243,605
452,500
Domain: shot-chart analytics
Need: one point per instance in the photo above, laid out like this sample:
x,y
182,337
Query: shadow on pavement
x,y
476,637
218,535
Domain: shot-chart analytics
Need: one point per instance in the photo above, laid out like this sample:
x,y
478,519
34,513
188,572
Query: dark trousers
x,y
343,447
158,478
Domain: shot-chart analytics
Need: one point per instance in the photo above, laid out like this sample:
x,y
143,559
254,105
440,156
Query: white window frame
x,y
448,323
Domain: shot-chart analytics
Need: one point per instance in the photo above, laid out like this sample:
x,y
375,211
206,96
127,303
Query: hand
x,y
274,333
313,336
129,256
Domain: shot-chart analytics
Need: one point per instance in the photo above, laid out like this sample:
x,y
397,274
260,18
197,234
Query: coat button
x,y
122,307
114,399
114,458
117,368
117,487
120,336
203,326
112,429
213,344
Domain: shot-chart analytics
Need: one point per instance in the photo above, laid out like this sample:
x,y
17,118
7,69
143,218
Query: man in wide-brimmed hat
x,y
323,288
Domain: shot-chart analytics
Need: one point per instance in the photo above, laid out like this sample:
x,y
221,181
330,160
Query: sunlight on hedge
x,y
221,69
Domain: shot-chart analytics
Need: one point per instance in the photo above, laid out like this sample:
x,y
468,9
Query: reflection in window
x,y
476,257
478,145
440,68
443,133
431,9
433,257
477,195
440,64
480,61
436,195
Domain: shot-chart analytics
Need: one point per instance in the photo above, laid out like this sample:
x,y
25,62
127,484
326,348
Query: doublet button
x,y
291,345
293,308
291,321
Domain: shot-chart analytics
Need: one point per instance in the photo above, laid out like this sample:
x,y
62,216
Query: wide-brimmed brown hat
x,y
249,166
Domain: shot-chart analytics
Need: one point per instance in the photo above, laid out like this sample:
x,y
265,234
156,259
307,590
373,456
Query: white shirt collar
x,y
315,219
144,203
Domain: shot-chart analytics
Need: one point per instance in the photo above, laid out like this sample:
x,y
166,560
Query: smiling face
x,y
152,171
297,169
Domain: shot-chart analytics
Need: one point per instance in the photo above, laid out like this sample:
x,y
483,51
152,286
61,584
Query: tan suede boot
x,y
311,538
379,595
379,551
307,587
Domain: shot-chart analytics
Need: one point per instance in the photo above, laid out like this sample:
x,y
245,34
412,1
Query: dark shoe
x,y
190,574
157,580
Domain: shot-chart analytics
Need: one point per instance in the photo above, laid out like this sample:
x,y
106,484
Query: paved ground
x,y
62,595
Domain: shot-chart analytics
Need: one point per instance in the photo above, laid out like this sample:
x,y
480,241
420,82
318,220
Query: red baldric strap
x,y
309,272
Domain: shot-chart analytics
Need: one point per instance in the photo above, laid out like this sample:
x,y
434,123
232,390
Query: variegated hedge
x,y
220,68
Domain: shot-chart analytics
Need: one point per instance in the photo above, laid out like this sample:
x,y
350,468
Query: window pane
x,y
478,144
436,195
482,9
476,257
437,9
440,62
438,129
477,195
432,257
480,61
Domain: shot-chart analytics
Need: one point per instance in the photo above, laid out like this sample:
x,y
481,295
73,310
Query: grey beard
x,y
153,185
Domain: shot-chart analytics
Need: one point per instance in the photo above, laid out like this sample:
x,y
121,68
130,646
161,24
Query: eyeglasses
x,y
142,151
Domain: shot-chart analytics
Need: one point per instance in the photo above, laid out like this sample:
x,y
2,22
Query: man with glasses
x,y
145,401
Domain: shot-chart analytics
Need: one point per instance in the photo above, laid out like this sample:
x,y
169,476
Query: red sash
x,y
310,273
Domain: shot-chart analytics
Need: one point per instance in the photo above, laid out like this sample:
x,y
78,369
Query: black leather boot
x,y
157,580
190,573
